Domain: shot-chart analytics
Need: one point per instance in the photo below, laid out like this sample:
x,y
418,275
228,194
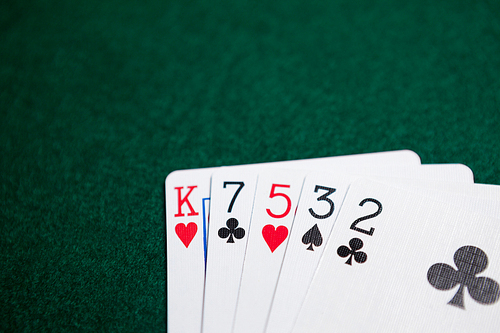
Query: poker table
x,y
101,100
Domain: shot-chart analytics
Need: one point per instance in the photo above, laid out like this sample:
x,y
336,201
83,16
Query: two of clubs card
x,y
372,242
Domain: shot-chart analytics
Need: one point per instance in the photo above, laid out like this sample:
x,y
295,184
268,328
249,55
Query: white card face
x,y
320,201
397,261
186,195
453,193
299,265
187,244
457,173
223,273
275,202
484,191
232,195
219,306
397,157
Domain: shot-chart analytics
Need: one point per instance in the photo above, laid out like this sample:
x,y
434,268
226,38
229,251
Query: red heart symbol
x,y
274,237
186,233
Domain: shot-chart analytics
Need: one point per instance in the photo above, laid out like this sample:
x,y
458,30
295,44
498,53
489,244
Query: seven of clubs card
x,y
244,242
230,213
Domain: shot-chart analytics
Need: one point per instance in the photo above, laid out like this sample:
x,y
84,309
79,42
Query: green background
x,y
100,100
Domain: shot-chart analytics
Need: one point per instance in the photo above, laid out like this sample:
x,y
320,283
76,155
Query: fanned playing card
x,y
321,199
254,303
275,201
397,261
232,200
188,203
187,198
231,210
187,193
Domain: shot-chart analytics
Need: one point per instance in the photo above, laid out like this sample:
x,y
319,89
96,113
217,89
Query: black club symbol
x,y
355,245
470,261
232,229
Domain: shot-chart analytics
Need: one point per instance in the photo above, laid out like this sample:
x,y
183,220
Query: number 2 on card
x,y
367,217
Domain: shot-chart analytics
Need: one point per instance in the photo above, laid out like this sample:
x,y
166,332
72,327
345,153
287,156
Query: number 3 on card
x,y
278,194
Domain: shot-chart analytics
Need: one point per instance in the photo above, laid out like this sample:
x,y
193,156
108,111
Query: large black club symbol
x,y
470,261
231,230
355,245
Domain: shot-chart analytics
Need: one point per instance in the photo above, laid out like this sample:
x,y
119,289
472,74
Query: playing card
x,y
397,261
258,310
232,194
275,201
187,197
223,273
186,194
319,204
325,193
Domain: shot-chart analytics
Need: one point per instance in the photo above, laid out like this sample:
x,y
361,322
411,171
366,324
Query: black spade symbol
x,y
312,237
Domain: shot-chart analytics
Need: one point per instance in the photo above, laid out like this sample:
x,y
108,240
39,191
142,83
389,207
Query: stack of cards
x,y
362,243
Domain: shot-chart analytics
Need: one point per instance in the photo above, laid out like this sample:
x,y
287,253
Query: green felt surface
x,y
100,100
